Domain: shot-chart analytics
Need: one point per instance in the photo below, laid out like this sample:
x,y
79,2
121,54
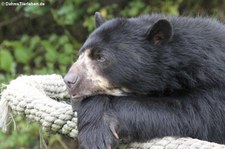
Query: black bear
x,y
150,76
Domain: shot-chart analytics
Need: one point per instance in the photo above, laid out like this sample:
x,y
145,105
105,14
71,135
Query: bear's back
x,y
197,27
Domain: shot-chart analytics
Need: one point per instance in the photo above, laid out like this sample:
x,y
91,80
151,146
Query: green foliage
x,y
33,55
37,11
46,39
26,135
6,61
18,139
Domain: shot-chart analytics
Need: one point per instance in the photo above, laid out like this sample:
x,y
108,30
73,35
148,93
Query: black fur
x,y
176,87
197,114
194,56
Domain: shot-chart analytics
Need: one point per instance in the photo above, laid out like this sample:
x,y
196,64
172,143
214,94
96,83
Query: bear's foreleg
x,y
97,124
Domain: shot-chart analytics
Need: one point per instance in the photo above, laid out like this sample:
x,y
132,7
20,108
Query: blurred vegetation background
x,y
45,39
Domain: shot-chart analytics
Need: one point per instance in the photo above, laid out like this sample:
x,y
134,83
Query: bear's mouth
x,y
77,96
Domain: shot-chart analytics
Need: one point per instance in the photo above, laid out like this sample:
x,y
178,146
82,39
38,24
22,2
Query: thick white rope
x,y
36,97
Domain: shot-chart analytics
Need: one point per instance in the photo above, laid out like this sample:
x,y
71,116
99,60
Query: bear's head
x,y
120,57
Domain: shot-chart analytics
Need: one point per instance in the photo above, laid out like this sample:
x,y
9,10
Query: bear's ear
x,y
161,32
99,20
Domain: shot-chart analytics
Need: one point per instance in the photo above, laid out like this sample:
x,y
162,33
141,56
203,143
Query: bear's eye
x,y
100,58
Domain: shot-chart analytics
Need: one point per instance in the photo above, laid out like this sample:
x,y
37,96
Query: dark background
x,y
45,40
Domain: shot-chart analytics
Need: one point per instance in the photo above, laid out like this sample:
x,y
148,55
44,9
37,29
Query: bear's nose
x,y
71,80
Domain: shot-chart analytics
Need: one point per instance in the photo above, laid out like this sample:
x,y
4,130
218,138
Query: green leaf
x,y
63,39
68,48
24,38
51,53
6,61
22,54
95,6
6,43
34,42
51,56
64,59
66,14
53,38
47,45
88,22
35,10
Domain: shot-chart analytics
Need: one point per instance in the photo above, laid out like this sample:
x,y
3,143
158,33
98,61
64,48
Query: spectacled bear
x,y
150,76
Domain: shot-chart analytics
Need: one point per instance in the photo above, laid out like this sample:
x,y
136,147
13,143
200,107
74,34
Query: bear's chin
x,y
77,98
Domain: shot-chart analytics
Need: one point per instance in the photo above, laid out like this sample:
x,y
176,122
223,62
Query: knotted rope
x,y
43,98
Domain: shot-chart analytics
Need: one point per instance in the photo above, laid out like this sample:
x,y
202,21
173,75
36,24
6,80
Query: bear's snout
x,y
71,80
